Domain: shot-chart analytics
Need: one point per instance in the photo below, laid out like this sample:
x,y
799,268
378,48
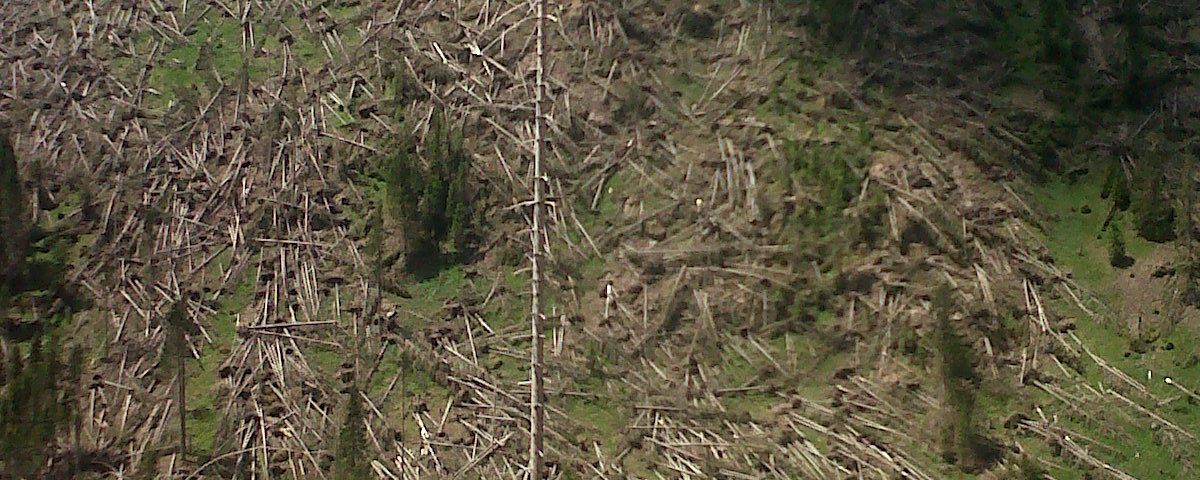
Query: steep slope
x,y
774,229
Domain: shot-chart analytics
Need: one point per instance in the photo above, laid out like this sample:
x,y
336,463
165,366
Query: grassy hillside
x,y
775,251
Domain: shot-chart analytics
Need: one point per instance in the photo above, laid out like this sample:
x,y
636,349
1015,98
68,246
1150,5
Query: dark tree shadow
x,y
1123,262
425,264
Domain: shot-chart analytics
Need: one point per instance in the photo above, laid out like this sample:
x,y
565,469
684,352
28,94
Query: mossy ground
x,y
205,414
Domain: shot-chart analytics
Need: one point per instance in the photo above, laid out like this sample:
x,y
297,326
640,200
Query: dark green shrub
x,y
634,29
635,105
698,22
1154,214
405,88
833,170
1030,469
837,16
872,224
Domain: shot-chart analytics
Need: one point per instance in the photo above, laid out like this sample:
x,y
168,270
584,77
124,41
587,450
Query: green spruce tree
x,y
961,438
175,351
1136,90
1154,212
14,240
1058,39
1117,256
351,462
429,193
34,407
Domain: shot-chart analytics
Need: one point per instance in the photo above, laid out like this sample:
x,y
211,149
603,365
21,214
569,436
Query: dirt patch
x,y
1155,302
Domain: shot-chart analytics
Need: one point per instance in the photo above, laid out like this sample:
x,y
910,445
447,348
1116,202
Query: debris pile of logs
x,y
244,182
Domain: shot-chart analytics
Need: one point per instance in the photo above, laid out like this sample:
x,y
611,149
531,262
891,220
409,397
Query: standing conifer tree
x,y
14,240
1117,256
1189,202
351,463
1136,90
959,381
33,406
431,201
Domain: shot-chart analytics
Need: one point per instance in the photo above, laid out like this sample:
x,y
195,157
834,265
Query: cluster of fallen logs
x,y
675,290
245,188
230,187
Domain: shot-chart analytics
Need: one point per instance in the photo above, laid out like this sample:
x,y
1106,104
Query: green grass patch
x,y
1137,451
685,85
1144,453
217,43
429,296
616,186
602,415
1075,238
204,414
326,360
511,308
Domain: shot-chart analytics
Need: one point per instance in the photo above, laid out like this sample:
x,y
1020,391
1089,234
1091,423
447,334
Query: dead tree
x,y
536,396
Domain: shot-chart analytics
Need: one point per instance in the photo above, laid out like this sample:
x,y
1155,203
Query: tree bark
x,y
536,395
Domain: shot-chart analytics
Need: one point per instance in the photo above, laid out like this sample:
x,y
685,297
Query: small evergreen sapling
x,y
351,461
1117,256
